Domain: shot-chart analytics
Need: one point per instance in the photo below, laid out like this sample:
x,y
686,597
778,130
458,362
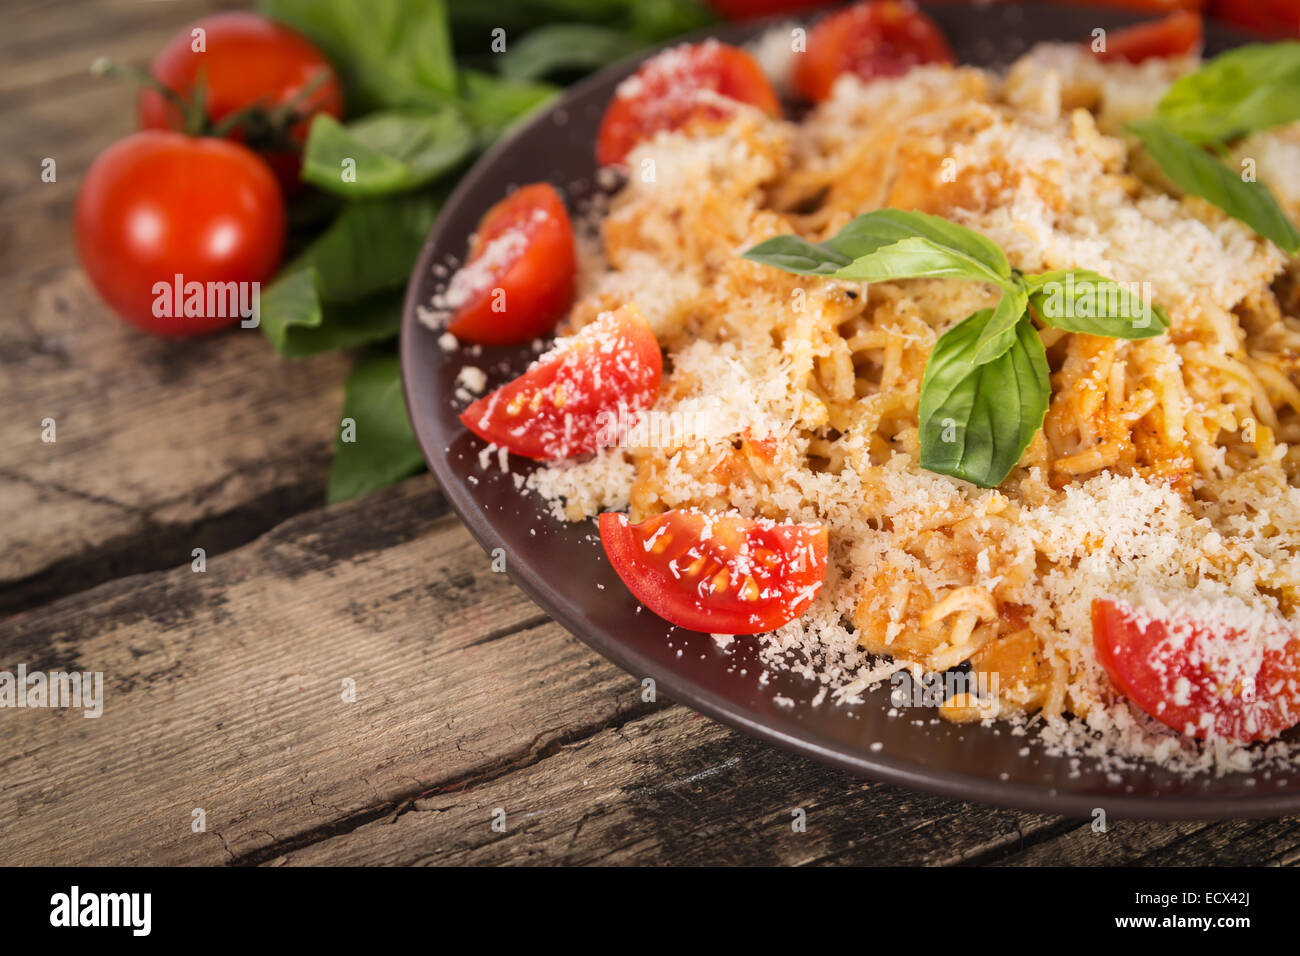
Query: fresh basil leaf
x,y
565,46
495,104
650,20
977,420
914,258
389,53
1197,172
1249,88
384,152
383,449
891,244
369,247
297,323
345,288
792,254
875,230
999,334
1079,300
654,20
288,303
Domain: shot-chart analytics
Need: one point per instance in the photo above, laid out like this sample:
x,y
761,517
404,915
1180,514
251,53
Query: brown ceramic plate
x,y
562,567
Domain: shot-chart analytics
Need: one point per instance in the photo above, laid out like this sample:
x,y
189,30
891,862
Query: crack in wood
x,y
161,546
526,757
1017,843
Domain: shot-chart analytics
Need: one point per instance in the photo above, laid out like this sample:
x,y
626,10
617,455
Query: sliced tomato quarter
x,y
753,9
520,276
1178,34
570,399
1201,679
877,38
1279,18
722,574
687,84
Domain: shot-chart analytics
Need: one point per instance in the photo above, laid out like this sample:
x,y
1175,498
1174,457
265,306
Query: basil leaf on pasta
x,y
1195,171
916,258
999,334
874,231
977,420
1250,88
891,244
1079,300
792,254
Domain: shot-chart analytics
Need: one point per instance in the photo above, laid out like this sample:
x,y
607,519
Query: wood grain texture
x,y
674,788
224,691
155,440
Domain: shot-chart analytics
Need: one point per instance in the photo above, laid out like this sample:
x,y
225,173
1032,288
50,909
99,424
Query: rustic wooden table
x,y
225,690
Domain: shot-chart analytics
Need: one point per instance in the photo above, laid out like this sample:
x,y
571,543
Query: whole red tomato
x,y
245,60
156,206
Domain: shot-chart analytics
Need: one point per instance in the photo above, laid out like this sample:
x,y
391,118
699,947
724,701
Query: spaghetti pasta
x,y
1168,463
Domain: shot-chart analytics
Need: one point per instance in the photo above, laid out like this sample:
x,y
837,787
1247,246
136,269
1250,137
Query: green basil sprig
x,y
346,287
378,446
976,420
1195,171
1243,91
559,47
985,389
427,84
1249,88
386,152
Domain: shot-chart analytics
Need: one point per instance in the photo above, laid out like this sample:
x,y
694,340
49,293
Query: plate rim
x,y
685,690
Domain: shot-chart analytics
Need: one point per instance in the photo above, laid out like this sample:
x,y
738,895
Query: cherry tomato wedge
x,y
877,38
1200,679
1175,35
245,60
688,84
719,573
521,274
1279,18
566,402
753,9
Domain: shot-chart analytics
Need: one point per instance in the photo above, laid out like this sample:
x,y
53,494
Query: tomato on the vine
x,y
689,84
158,205
246,61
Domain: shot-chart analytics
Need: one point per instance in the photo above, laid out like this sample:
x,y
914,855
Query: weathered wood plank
x,y
155,441
672,788
50,43
1142,843
224,691
51,107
